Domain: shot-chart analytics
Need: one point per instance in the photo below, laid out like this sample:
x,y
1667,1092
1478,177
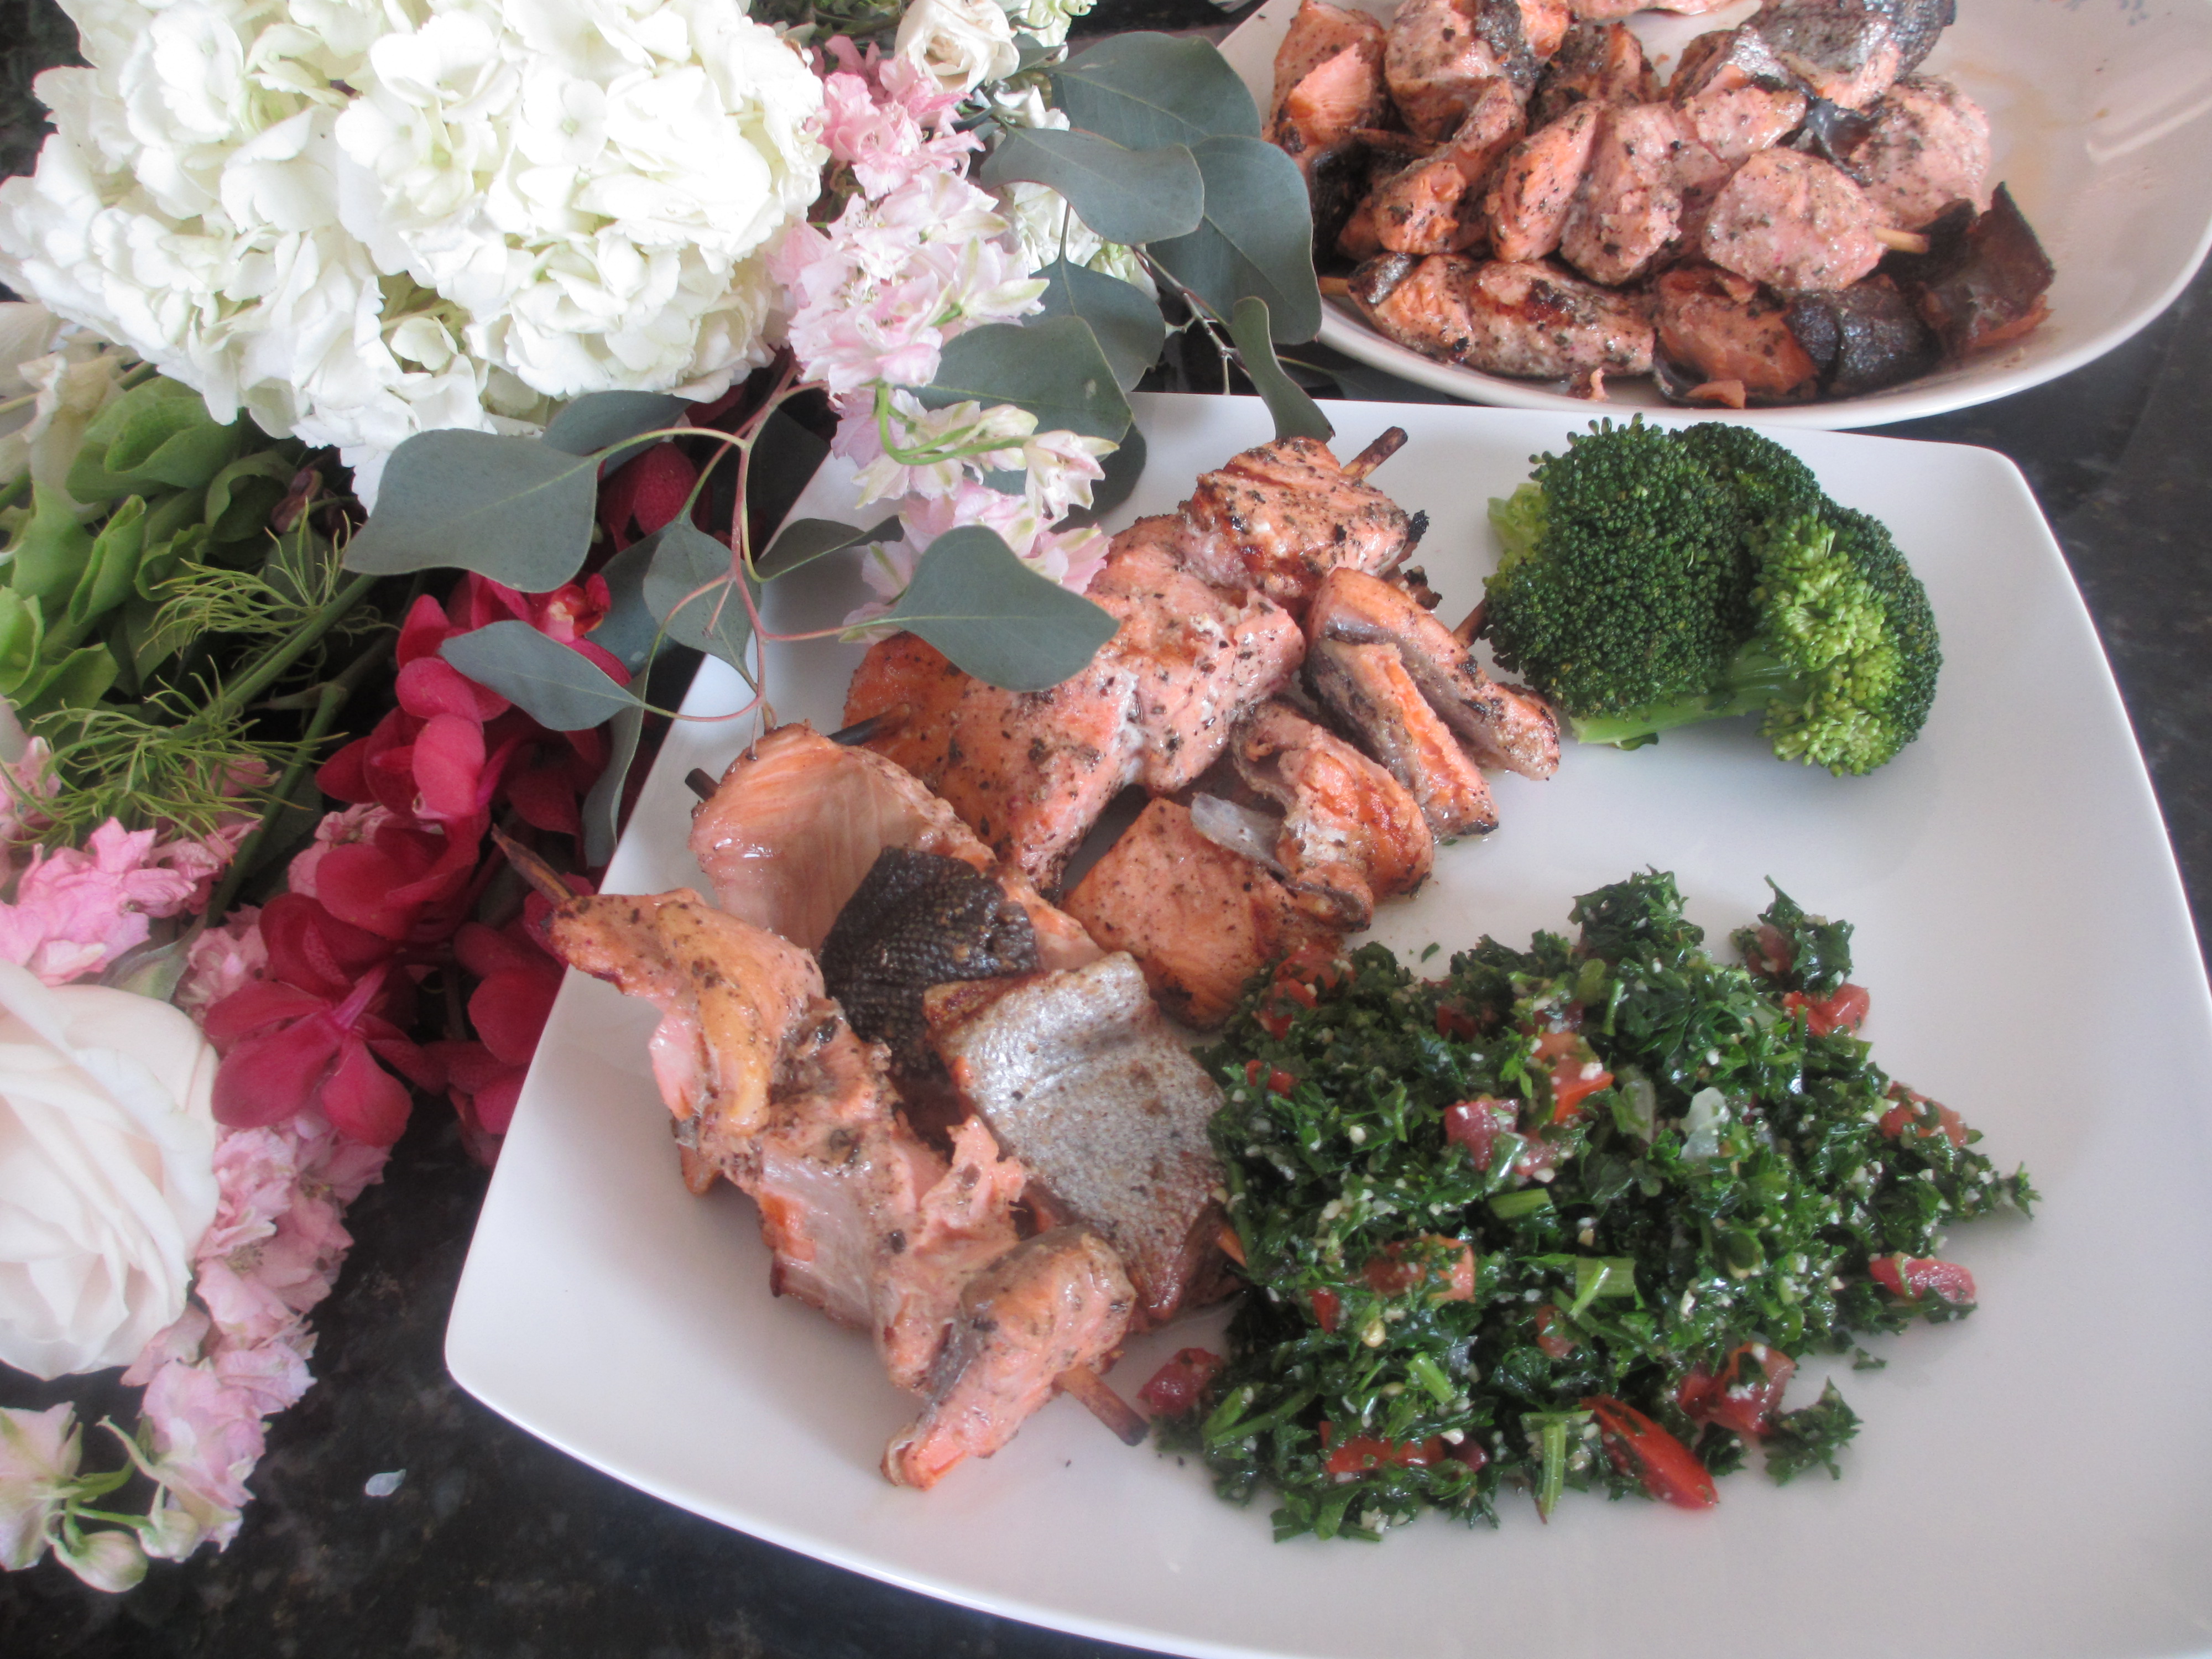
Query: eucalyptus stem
x,y
336,693
266,672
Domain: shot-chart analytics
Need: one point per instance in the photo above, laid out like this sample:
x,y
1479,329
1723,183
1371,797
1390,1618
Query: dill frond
x,y
301,576
179,763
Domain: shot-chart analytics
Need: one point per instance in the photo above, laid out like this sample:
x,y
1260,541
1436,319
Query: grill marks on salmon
x,y
1080,1078
1527,319
1208,599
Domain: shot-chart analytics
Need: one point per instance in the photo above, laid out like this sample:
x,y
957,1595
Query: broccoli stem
x,y
1754,679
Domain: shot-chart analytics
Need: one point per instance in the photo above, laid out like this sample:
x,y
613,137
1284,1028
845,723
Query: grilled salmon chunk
x,y
1534,189
1328,82
1367,687
1928,147
1434,205
1597,63
1199,919
1352,835
1280,517
1053,1303
1081,1079
1504,726
1718,327
1793,222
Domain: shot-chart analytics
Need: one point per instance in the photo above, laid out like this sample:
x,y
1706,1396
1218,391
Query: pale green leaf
x,y
1124,320
997,618
1257,240
1052,368
1131,196
558,688
689,586
602,807
802,541
1297,416
512,509
605,418
1148,91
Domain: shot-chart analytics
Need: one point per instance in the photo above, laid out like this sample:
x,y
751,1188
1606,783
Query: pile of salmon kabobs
x,y
970,1128
1797,215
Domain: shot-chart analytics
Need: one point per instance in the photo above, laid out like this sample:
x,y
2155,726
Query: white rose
x,y
107,1177
961,43
1048,20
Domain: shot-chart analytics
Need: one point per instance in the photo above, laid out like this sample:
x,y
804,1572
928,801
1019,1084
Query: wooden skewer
x,y
1467,630
700,782
1388,444
1902,241
1336,288
861,731
549,882
1108,1407
1232,1245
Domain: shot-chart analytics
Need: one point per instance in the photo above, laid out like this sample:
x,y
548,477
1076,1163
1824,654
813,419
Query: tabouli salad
x,y
1567,1217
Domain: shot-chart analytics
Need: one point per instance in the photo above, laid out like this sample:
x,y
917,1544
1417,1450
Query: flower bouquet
x,y
434,374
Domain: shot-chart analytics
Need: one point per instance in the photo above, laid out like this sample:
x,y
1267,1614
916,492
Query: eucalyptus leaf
x,y
1257,240
1124,320
602,808
51,550
997,618
558,688
1052,367
802,541
786,454
605,419
690,588
627,632
1297,416
1147,91
512,509
1132,196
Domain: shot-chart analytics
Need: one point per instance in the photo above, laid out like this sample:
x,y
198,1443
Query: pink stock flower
x,y
207,1437
76,911
222,960
341,829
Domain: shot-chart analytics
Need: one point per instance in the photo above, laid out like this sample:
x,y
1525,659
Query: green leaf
x,y
556,687
997,618
602,809
77,681
1123,318
22,629
1297,416
512,509
241,496
685,561
49,554
785,456
108,573
160,561
1148,91
1257,239
1053,368
603,419
160,433
1123,468
1131,196
805,540
628,630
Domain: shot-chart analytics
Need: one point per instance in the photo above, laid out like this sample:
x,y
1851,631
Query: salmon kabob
x,y
1798,214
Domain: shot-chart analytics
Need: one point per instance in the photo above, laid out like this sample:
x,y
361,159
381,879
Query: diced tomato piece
x,y
1576,1072
1476,1124
1772,955
1469,1452
1275,1022
1312,964
1557,1344
1918,1275
1298,992
1177,1385
1328,1307
1363,1453
1280,1081
1911,1113
1638,1446
1393,1273
1745,1395
1454,1021
1846,1011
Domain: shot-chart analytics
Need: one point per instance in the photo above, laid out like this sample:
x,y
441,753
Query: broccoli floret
x,y
1841,658
1656,580
1625,573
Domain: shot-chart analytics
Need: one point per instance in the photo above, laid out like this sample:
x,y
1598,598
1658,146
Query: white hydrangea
x,y
359,219
1040,216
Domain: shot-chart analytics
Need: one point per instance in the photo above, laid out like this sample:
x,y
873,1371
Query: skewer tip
x,y
1108,1406
1387,444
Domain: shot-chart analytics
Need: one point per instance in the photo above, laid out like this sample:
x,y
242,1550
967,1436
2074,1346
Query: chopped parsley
x,y
1564,1218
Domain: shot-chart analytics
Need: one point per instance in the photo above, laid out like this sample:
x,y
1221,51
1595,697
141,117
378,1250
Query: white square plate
x,y
2037,1480
2101,122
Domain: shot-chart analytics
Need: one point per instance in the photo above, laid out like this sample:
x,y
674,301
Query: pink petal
x,y
363,1100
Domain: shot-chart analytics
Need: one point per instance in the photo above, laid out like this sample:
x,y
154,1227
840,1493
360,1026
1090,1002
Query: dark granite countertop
x,y
498,1545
